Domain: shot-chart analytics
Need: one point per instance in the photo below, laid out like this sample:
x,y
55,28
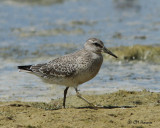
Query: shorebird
x,y
72,69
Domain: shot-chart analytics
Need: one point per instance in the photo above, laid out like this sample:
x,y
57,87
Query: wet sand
x,y
144,112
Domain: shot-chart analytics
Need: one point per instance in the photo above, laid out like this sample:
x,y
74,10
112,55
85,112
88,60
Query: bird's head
x,y
95,45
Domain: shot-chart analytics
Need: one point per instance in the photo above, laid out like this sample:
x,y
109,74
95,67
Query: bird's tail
x,y
26,68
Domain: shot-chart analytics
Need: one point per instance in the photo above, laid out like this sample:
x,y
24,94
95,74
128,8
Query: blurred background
x,y
37,31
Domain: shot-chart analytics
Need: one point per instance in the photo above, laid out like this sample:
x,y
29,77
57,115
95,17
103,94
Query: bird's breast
x,y
88,69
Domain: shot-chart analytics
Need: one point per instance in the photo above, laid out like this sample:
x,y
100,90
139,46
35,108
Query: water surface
x,y
38,31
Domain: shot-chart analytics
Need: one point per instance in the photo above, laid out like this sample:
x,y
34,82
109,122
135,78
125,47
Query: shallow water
x,y
34,32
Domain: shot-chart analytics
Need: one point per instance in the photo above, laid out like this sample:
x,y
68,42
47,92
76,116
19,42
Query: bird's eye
x,y
98,45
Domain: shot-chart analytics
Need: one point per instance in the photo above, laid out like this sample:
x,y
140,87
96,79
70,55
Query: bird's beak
x,y
109,52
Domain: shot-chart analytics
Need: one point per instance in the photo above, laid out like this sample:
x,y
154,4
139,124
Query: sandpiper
x,y
72,69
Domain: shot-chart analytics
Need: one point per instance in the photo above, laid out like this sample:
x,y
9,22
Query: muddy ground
x,y
120,109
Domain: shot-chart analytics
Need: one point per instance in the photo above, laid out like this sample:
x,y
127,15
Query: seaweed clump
x,y
138,52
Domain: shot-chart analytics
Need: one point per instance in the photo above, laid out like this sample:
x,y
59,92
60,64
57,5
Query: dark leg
x,y
64,99
79,95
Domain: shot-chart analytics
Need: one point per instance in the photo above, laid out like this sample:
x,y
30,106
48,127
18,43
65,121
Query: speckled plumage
x,y
72,69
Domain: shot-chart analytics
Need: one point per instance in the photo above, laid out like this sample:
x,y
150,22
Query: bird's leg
x,y
64,99
80,96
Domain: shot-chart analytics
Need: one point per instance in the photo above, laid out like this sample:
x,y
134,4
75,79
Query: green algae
x,y
137,52
35,2
43,50
83,22
125,53
32,32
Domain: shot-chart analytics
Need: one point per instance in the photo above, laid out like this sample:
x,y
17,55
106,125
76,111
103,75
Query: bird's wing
x,y
60,67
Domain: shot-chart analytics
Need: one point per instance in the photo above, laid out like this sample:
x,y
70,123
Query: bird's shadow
x,y
86,107
105,107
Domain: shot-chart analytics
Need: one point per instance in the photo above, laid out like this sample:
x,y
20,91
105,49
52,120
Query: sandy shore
x,y
144,112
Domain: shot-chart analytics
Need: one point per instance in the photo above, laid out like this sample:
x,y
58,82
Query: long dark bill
x,y
109,52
